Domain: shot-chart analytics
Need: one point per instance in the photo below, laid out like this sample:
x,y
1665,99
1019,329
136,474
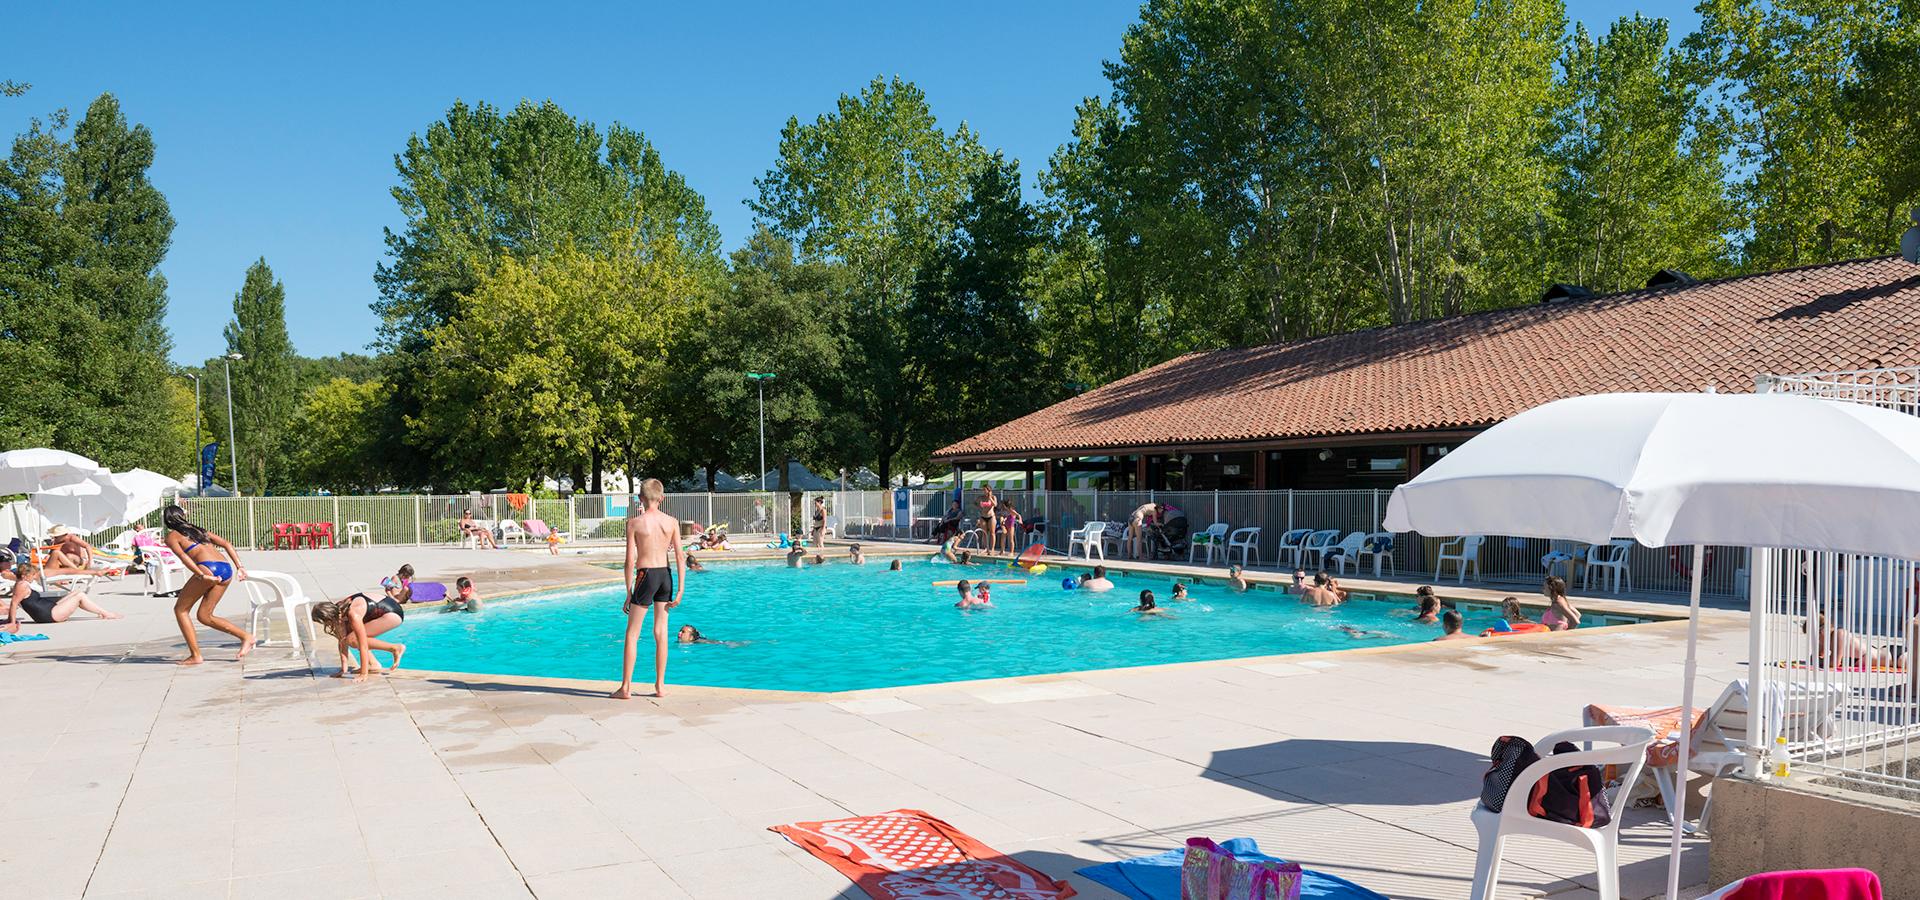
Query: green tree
x,y
82,234
263,376
1807,138
338,423
872,187
1638,180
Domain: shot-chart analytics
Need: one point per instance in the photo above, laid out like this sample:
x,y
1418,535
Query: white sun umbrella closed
x,y
36,469
106,500
1753,470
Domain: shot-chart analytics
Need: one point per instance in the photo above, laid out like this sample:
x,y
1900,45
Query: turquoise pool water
x,y
842,627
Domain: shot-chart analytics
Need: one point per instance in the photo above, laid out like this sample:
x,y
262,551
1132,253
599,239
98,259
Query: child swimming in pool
x,y
968,600
1450,625
1236,580
691,635
1180,592
856,556
694,565
894,566
1147,607
1429,611
464,600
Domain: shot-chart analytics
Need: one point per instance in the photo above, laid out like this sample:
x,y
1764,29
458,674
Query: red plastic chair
x,y
321,530
282,534
299,533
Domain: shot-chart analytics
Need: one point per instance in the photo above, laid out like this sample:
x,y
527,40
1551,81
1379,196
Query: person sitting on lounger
x,y
24,602
1840,648
482,537
1147,606
1450,625
1237,580
1096,580
1561,614
465,599
67,553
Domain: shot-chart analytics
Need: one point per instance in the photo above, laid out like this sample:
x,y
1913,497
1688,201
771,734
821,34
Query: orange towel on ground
x,y
908,853
1664,722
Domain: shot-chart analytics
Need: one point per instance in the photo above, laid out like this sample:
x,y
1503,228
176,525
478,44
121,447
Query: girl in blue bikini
x,y
201,551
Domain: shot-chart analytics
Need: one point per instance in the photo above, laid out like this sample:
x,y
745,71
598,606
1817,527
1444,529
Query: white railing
x,y
1503,560
1870,739
429,519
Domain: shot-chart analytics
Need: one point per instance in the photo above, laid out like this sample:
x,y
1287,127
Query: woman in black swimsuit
x,y
23,601
201,552
819,521
361,620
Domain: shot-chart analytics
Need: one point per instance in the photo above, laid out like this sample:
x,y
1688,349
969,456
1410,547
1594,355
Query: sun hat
x,y
58,531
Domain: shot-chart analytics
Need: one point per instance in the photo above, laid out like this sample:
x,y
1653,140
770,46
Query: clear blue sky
x,y
276,124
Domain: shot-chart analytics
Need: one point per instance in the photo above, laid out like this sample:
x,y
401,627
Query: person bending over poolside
x,y
1450,626
1147,607
1144,516
465,599
24,602
1180,592
200,551
1237,580
1561,614
856,556
653,536
1096,580
357,624
893,566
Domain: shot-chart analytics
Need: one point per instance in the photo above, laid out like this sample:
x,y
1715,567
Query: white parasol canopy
x,y
106,500
36,469
1754,470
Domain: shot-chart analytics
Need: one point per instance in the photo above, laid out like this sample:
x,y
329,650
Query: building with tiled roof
x,y
1368,408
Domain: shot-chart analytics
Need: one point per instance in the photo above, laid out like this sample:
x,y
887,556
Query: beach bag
x,y
1211,872
1509,757
1575,795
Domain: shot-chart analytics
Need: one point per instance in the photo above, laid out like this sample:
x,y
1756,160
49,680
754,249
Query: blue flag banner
x,y
208,454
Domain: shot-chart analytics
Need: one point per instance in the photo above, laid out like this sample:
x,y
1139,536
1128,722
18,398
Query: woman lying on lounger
x,y
1838,647
357,623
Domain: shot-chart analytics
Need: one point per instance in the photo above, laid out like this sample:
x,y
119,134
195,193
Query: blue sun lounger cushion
x,y
1157,877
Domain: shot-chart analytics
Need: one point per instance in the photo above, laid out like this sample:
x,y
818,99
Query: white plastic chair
x,y
1611,559
1290,542
166,574
270,591
358,531
1377,545
1214,539
1315,548
1089,538
1512,819
1465,552
1347,552
1247,541
511,531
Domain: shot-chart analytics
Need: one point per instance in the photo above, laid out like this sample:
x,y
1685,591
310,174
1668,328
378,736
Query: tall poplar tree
x,y
263,378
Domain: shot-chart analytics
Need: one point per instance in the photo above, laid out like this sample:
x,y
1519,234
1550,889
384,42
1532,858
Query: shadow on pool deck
x,y
1300,768
506,688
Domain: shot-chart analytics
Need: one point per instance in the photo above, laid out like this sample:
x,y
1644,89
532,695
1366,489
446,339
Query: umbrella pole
x,y
1679,812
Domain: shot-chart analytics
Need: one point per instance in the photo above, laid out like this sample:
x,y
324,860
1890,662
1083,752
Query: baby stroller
x,y
1168,540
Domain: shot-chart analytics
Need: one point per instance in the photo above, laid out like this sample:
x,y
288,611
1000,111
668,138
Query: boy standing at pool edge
x,y
651,536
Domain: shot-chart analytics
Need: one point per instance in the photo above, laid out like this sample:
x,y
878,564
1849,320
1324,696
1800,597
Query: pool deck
x,y
135,777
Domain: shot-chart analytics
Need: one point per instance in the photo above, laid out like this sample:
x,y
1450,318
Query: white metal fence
x,y
426,519
1502,559
1837,634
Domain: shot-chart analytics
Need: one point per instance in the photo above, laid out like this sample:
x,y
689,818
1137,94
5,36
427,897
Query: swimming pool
x,y
841,627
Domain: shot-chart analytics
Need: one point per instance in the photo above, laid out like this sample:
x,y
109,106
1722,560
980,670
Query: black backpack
x,y
1510,756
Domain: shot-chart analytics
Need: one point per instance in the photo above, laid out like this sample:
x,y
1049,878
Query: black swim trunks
x,y
656,586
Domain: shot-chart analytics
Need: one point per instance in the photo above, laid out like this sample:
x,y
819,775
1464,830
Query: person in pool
x,y
1236,579
1323,591
464,599
1450,627
1096,580
1360,633
969,600
819,560
1429,611
796,556
1147,607
1299,582
1510,615
965,558
694,565
1180,592
357,623
893,566
856,556
1561,614
201,551
399,586
691,635
949,549
24,602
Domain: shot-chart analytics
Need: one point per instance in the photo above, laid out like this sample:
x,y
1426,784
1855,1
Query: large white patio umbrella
x,y
106,500
36,469
1752,470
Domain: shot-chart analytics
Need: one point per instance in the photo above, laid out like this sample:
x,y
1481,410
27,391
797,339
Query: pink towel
x,y
1810,884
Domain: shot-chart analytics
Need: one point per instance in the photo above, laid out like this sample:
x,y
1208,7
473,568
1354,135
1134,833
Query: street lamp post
x,y
760,380
233,451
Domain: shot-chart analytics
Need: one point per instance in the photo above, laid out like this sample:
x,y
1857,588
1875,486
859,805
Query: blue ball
x,y
1067,583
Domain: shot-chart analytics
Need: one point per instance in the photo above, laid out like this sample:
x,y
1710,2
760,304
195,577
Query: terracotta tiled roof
x,y
1474,370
